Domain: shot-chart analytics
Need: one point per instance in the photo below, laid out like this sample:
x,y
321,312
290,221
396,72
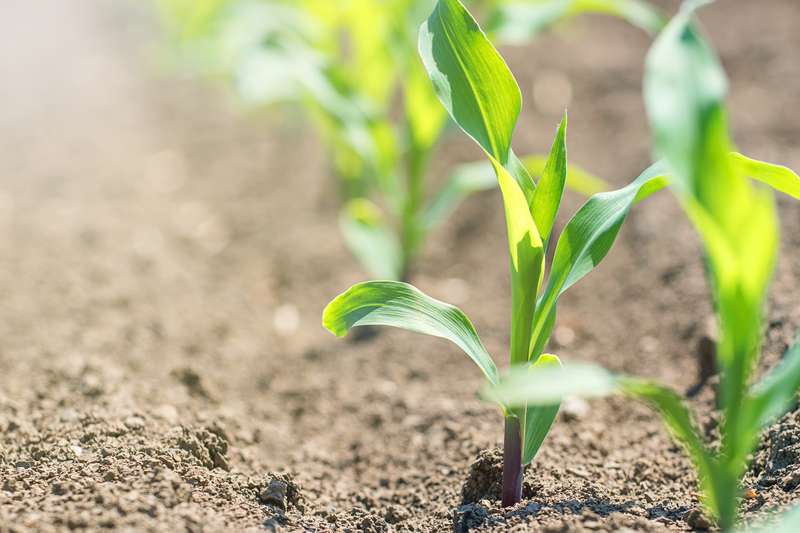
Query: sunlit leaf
x,y
588,236
480,93
471,78
778,177
392,303
550,188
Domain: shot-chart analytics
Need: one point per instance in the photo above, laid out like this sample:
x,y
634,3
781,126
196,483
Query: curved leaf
x,y
550,189
785,522
392,303
778,177
480,93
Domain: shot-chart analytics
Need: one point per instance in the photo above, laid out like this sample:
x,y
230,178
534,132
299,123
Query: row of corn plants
x,y
353,67
736,219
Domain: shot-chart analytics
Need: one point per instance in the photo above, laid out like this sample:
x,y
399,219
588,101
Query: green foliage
x,y
685,89
353,66
517,21
482,97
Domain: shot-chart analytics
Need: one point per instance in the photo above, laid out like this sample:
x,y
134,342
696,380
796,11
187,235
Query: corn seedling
x,y
685,90
353,66
481,95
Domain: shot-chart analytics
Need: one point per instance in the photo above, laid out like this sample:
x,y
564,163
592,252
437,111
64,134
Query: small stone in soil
x,y
696,519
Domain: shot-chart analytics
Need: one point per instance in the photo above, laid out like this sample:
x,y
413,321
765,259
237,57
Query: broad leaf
x,y
370,239
392,303
470,77
538,419
549,190
588,236
480,93
778,177
586,240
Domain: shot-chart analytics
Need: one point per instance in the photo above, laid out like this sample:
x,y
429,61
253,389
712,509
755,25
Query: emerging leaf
x,y
547,197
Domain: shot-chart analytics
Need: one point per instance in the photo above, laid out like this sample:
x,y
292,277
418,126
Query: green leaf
x,y
776,393
370,239
586,240
684,85
478,176
716,487
588,236
470,77
526,251
480,93
549,190
551,384
778,177
676,416
538,419
392,303
518,22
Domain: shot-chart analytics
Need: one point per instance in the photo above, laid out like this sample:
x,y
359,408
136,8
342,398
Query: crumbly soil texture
x,y
166,256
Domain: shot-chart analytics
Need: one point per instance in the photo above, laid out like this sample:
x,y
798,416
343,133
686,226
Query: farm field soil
x,y
165,260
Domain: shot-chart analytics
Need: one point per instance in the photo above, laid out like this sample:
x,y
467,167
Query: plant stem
x,y
512,462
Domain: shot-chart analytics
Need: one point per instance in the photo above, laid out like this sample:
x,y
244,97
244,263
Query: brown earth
x,y
165,260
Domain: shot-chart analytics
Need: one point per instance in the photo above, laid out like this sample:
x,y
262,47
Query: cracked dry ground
x,y
164,262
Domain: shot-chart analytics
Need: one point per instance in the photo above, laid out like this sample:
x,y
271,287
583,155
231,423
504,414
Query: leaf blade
x,y
538,418
549,190
780,178
471,78
400,305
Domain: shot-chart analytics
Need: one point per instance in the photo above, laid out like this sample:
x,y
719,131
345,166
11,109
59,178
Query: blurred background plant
x,y
352,65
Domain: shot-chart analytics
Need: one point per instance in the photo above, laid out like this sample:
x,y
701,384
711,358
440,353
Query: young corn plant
x,y
481,95
685,90
352,66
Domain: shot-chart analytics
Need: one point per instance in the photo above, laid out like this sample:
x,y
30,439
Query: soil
x,y
166,258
